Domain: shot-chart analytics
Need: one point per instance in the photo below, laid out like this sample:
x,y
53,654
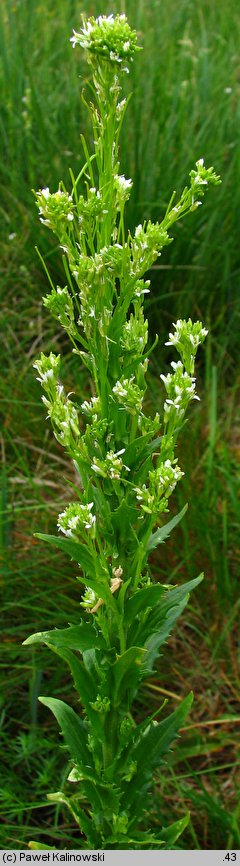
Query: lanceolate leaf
x,y
150,749
76,637
84,683
163,532
74,549
155,641
169,835
122,519
161,618
80,816
73,728
80,554
141,600
127,671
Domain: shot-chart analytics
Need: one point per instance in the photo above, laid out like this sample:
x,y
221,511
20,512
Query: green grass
x,y
181,109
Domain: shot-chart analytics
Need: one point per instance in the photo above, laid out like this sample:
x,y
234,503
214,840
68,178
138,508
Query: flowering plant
x,y
125,463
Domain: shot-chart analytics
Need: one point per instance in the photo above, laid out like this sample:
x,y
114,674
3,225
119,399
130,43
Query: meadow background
x,y
185,105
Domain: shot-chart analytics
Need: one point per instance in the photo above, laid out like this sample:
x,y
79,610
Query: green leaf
x,y
136,451
38,846
155,641
173,596
155,629
77,551
127,671
85,823
122,520
163,532
148,752
169,835
76,637
85,685
104,799
141,600
73,728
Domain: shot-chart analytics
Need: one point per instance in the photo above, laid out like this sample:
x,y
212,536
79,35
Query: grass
x,y
185,105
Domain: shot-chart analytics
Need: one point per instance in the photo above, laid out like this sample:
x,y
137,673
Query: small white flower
x,y
173,338
177,365
122,182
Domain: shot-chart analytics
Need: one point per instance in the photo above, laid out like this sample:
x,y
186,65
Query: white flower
x,y
76,517
173,338
122,182
45,192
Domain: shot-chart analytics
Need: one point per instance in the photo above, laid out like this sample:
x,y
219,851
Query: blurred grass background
x,y
185,105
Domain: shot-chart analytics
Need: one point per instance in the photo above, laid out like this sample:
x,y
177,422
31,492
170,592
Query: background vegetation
x,y
185,105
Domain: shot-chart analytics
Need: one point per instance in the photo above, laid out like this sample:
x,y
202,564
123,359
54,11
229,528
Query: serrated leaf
x,y
173,596
169,835
148,752
155,629
85,685
80,554
155,641
83,821
127,671
163,532
103,798
74,549
76,637
73,728
141,600
136,451
123,518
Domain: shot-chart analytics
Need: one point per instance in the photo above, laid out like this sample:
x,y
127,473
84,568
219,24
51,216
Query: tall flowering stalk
x,y
125,463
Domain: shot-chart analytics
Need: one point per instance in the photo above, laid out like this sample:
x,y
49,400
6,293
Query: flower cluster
x,y
122,188
200,179
109,37
56,210
180,389
61,410
91,274
162,481
187,338
60,304
91,408
189,199
149,426
89,598
101,704
90,210
48,367
64,419
135,333
75,518
128,395
111,466
146,245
